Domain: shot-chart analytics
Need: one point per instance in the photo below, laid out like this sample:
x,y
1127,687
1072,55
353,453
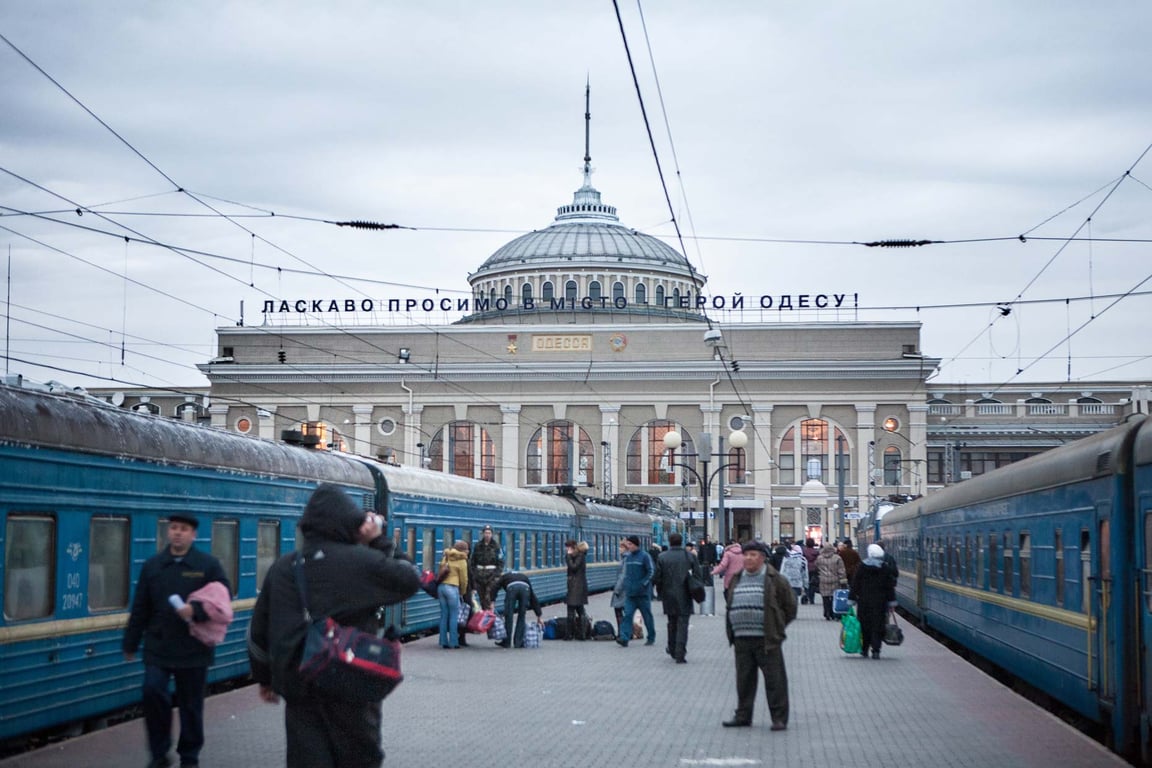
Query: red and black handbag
x,y
345,662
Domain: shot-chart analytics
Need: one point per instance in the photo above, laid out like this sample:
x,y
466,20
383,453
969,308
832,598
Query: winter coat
x,y
618,595
577,576
795,569
457,563
730,564
672,569
851,560
779,607
833,576
873,589
345,580
216,602
168,642
638,571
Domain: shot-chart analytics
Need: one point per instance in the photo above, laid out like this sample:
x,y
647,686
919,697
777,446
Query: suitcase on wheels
x,y
840,602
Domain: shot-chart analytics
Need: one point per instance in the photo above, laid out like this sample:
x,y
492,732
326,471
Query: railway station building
x,y
589,354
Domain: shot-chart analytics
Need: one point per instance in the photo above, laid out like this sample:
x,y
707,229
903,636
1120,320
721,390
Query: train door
x,y
1144,599
1100,582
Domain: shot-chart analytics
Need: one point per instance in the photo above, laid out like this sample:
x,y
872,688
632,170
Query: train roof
x,y
425,483
75,422
1083,459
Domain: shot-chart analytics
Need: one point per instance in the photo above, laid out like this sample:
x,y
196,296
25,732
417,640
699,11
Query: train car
x,y
1042,568
85,494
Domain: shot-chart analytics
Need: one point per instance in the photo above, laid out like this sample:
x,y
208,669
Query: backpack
x,y
603,630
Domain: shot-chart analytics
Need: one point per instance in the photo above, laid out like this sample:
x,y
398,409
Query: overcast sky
x,y
795,128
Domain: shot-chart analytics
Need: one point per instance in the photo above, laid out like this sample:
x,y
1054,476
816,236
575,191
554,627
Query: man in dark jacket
x,y
761,604
486,565
350,571
160,616
671,575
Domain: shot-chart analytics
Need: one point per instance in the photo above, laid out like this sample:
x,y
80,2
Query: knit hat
x,y
180,517
633,539
875,552
755,546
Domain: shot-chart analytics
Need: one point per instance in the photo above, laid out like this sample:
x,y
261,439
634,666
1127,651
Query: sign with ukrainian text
x,y
562,342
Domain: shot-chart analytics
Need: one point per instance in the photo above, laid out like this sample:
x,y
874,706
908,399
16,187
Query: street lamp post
x,y
738,439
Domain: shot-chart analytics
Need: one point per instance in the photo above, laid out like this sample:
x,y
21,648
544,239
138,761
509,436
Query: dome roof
x,y
587,242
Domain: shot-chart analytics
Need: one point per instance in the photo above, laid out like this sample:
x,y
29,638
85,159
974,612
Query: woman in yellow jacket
x,y
453,583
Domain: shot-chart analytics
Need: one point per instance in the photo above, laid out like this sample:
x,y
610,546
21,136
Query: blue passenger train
x,y
1044,568
85,493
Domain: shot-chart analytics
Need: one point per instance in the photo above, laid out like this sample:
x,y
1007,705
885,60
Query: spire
x,y
586,203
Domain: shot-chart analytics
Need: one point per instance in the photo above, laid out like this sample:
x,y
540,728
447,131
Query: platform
x,y
575,704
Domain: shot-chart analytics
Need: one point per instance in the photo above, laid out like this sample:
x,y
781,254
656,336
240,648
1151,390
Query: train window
x,y
29,584
1148,562
226,549
517,557
967,565
108,558
410,547
1025,564
980,582
1085,569
428,550
1009,566
993,564
1058,548
161,534
267,548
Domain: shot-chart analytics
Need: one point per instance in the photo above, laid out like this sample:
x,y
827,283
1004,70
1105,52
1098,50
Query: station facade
x,y
586,343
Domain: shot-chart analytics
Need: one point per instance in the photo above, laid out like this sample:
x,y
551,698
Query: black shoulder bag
x,y
693,583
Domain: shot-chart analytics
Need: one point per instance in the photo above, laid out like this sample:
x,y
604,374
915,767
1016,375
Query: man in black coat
x,y
350,571
160,617
670,578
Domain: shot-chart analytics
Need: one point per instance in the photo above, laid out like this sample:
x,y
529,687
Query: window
x,y
29,581
428,550
525,294
267,548
1086,570
994,574
570,292
787,459
1025,564
547,291
814,446
641,293
226,549
1009,566
981,581
386,426
244,425
549,460
594,290
1058,548
468,451
659,295
650,463
108,559
617,291
892,464
508,294
739,464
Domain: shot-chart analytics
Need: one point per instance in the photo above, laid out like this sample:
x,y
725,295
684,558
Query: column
x,y
918,437
266,421
413,433
508,468
762,462
865,439
610,432
219,415
362,427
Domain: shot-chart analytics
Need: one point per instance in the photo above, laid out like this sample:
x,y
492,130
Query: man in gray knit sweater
x,y
761,604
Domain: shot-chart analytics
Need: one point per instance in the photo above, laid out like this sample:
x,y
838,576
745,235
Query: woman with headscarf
x,y
874,591
830,568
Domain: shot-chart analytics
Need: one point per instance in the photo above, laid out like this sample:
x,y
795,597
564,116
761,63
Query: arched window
x,y
508,294
549,460
525,294
650,463
466,449
641,293
676,297
594,291
892,464
737,474
659,295
547,291
806,446
570,291
617,290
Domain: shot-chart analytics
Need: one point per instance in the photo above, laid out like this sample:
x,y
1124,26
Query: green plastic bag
x,y
850,632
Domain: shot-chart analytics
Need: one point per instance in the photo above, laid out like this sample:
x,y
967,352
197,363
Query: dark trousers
x,y
827,606
329,733
158,710
751,659
576,621
677,635
515,605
